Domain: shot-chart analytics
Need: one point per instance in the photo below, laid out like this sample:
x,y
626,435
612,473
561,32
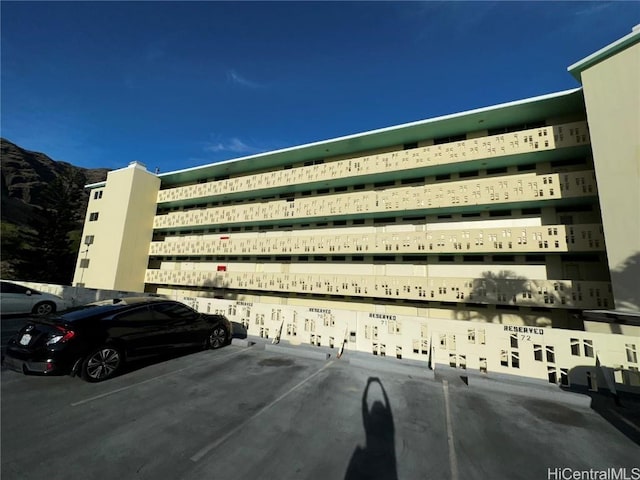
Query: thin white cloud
x,y
593,8
457,17
234,145
236,78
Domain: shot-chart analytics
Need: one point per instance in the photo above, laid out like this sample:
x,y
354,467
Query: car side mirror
x,y
28,292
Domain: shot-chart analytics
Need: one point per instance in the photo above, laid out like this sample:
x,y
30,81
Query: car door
x,y
184,326
15,298
139,329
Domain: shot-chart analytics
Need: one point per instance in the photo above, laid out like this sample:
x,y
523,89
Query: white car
x,y
16,298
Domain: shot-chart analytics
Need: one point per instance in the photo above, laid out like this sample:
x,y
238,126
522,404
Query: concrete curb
x,y
392,366
527,387
530,391
241,342
297,352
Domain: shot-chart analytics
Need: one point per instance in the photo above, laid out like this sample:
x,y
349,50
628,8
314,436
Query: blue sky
x,y
176,85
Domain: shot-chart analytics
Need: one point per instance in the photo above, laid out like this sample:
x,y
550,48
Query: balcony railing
x,y
466,193
529,239
491,289
495,146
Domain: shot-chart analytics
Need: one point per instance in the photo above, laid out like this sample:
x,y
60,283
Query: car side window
x,y
138,314
13,288
173,311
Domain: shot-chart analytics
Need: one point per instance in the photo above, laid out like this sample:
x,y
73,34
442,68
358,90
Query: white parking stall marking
x,y
117,390
203,451
453,462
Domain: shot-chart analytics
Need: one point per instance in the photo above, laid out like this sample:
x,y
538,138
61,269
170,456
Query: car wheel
x,y
101,364
44,308
217,337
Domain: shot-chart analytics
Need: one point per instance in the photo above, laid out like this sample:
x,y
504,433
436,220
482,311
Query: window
x,y
551,356
566,163
471,335
514,340
137,315
97,194
483,364
575,347
537,353
389,183
500,213
84,263
481,336
497,170
88,240
171,311
531,211
472,173
449,139
632,355
7,287
527,167
588,348
504,358
515,360
409,181
93,216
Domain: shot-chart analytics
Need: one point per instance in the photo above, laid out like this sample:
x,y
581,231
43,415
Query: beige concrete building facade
x,y
475,240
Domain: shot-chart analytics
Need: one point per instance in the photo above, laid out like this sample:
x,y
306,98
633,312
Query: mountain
x,y
25,174
42,212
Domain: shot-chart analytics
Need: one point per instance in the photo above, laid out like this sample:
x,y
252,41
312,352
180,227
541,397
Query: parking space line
x,y
453,463
206,449
117,390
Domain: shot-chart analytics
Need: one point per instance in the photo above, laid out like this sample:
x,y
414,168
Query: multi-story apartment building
x,y
474,240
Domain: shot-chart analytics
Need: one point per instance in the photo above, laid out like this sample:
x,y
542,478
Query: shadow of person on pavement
x,y
378,458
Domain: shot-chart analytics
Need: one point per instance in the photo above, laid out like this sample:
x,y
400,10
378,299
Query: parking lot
x,y
250,412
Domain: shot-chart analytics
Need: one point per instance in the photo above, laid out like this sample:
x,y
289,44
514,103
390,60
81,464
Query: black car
x,y
95,340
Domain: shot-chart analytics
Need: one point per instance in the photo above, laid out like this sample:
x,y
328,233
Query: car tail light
x,y
64,336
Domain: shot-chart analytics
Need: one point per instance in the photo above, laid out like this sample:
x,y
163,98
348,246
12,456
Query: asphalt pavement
x,y
250,412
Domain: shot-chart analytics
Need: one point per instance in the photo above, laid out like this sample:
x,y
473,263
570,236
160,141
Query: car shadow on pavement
x,y
378,457
135,364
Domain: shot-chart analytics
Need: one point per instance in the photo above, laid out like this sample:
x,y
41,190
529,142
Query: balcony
x,y
490,289
465,195
494,151
539,239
